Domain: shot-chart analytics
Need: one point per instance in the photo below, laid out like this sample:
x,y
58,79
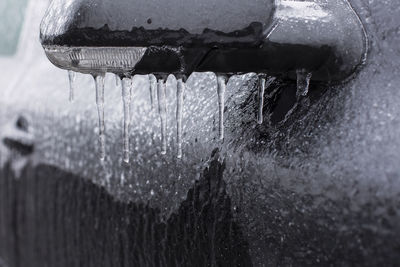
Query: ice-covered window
x,y
12,13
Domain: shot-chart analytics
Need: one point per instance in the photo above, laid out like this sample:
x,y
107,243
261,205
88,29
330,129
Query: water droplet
x,y
153,87
126,99
303,82
221,80
162,109
71,77
179,114
99,80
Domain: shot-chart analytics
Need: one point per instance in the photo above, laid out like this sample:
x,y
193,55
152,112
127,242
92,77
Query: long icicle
x,y
221,80
162,108
264,82
71,77
179,115
126,99
153,88
99,79
261,91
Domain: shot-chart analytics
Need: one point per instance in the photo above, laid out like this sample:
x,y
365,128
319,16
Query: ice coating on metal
x,y
307,10
340,170
327,38
123,15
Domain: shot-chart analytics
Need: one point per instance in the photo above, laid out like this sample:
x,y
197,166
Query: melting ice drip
x,y
157,89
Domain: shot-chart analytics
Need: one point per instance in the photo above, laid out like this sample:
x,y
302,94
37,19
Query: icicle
x,y
99,79
72,77
261,91
153,87
221,103
117,80
179,114
303,82
126,99
264,83
162,108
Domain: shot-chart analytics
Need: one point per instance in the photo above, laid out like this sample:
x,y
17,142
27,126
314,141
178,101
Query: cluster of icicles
x,y
303,82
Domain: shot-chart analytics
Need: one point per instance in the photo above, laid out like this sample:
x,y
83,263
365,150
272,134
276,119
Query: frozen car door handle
x,y
300,40
227,37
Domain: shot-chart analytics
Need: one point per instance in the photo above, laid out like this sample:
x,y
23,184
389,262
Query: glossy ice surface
x,y
192,16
